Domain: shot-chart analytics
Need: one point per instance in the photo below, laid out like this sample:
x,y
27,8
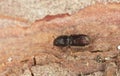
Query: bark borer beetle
x,y
72,40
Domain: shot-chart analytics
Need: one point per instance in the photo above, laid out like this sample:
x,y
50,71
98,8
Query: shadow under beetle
x,y
72,40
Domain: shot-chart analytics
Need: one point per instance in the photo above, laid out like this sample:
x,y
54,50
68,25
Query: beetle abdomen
x,y
79,40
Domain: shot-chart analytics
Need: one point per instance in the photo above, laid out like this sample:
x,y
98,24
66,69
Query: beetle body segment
x,y
79,40
61,41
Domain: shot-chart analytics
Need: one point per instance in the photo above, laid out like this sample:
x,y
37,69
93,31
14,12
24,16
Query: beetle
x,y
72,40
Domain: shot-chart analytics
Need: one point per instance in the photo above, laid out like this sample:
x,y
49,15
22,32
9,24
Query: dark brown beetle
x,y
72,40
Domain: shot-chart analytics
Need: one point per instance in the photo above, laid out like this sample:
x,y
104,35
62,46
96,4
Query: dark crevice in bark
x,y
34,60
32,74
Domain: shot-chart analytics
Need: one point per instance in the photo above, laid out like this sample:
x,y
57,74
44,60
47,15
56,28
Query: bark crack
x,y
32,74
